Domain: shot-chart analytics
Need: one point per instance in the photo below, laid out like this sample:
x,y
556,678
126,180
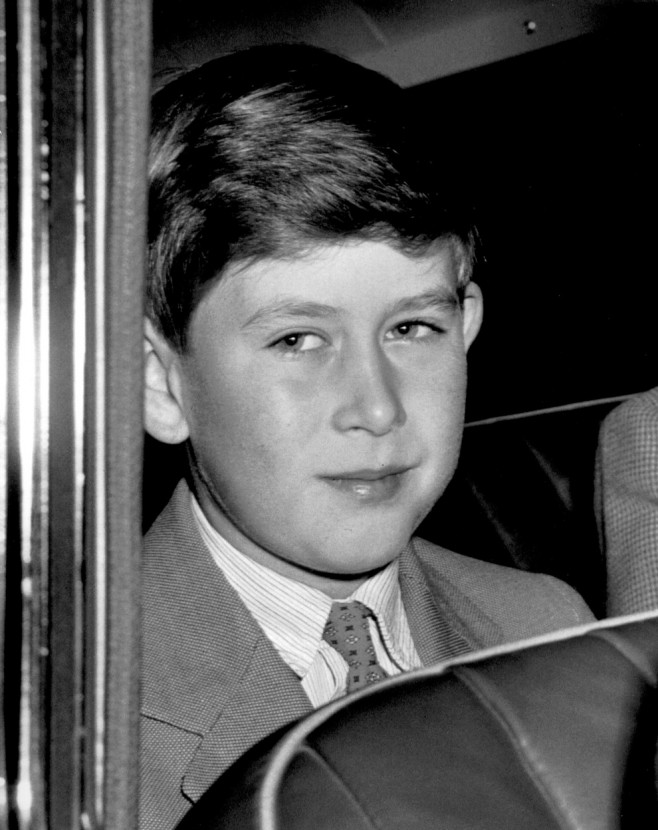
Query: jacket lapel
x,y
438,628
268,697
208,667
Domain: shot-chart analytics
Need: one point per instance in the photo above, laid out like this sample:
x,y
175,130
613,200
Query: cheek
x,y
440,410
251,421
441,391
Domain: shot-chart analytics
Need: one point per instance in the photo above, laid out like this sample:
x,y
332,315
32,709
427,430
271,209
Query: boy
x,y
309,312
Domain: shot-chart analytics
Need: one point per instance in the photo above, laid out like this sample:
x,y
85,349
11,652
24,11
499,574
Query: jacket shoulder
x,y
497,603
628,445
638,410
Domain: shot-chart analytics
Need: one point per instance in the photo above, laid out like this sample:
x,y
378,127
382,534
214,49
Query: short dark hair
x,y
270,151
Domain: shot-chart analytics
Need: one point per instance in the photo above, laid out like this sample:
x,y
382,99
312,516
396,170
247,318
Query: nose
x,y
368,394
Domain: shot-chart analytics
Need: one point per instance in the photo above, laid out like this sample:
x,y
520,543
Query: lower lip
x,y
368,491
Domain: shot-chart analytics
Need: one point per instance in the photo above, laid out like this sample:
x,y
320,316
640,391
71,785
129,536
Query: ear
x,y
164,418
472,313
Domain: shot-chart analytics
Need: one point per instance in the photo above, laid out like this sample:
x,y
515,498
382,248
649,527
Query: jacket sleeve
x,y
628,459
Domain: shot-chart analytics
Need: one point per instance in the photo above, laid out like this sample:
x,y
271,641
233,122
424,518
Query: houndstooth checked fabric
x,y
628,489
347,630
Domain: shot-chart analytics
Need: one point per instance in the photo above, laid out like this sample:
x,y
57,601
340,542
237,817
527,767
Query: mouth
x,y
369,485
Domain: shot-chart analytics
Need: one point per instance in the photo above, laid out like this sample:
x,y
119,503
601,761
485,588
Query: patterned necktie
x,y
347,631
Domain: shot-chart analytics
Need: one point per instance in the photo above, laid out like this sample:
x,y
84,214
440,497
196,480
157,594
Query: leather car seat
x,y
561,734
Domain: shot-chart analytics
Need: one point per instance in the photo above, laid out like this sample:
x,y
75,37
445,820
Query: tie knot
x,y
348,631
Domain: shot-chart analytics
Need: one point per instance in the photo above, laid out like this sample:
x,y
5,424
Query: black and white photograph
x,y
328,415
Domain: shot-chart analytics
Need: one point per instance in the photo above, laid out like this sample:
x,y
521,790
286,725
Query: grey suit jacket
x,y
628,477
213,685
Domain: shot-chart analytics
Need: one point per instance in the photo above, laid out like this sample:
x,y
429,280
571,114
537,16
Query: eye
x,y
413,330
298,341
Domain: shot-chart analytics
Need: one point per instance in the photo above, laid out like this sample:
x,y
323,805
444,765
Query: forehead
x,y
358,277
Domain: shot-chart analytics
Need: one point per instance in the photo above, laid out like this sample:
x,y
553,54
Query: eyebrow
x,y
439,299
288,309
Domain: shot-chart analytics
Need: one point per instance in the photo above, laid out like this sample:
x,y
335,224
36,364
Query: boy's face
x,y
323,397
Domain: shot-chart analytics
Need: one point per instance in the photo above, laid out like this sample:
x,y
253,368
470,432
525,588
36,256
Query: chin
x,y
369,556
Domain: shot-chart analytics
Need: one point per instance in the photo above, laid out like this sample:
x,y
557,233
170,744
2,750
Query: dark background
x,y
557,149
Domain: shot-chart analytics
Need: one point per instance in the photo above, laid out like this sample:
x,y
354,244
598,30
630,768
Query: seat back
x,y
523,495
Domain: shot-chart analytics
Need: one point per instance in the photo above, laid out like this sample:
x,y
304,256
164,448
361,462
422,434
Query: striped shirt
x,y
293,616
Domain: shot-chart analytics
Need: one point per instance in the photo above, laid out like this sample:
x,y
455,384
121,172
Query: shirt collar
x,y
293,615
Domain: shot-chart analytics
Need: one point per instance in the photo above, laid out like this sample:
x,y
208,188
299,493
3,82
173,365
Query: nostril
x,y
375,410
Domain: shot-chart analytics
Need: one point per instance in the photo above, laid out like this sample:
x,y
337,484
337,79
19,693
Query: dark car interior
x,y
545,114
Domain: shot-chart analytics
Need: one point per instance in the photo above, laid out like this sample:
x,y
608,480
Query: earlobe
x,y
164,418
472,313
